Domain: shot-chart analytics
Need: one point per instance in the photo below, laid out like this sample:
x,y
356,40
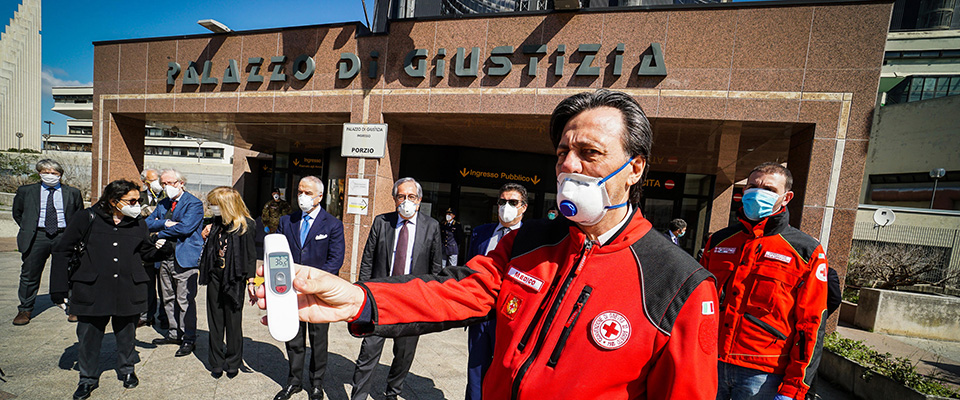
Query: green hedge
x,y
899,369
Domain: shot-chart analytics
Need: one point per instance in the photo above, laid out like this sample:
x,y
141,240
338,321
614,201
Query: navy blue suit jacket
x,y
324,246
480,239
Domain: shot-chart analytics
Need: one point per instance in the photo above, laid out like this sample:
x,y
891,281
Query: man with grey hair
x,y
179,218
42,210
403,242
316,241
151,194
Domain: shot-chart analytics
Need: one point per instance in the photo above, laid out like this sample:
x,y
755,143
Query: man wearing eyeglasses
x,y
403,242
511,205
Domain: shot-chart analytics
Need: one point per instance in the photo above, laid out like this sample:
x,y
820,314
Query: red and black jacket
x,y
773,297
633,318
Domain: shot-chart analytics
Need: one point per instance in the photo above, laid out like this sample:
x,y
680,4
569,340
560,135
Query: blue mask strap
x,y
614,173
624,204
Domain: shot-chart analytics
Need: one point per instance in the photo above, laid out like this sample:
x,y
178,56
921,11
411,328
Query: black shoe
x,y
165,340
84,390
316,394
216,373
233,374
185,349
130,380
287,392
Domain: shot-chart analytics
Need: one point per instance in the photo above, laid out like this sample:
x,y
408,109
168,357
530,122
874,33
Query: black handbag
x,y
79,249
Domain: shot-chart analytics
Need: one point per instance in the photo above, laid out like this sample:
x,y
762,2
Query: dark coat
x,y
111,279
452,236
480,239
378,251
324,246
26,210
240,260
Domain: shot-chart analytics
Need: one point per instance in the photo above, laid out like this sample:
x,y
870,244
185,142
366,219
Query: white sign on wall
x,y
364,140
357,205
359,187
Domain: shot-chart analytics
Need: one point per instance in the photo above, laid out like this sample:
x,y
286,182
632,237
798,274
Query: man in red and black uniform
x,y
772,282
594,305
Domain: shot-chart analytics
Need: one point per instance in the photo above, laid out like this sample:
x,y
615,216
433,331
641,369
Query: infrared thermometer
x,y
278,274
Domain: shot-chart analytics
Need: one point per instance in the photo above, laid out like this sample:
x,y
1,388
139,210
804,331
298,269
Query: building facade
x,y
467,103
20,64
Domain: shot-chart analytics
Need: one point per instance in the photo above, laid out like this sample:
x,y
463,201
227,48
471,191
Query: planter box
x,y
863,383
848,312
909,314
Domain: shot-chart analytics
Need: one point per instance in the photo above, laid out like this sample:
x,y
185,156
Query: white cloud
x,y
49,80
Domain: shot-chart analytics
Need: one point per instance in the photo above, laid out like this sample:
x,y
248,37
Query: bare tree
x,y
887,266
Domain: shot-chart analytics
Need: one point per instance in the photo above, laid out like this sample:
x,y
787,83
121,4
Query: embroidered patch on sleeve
x,y
708,336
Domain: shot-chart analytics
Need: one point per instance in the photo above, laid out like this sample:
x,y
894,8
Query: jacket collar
x,y
769,226
629,233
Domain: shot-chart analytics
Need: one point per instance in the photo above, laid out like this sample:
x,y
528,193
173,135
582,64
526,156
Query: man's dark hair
x,y
115,191
637,138
677,224
768,168
514,187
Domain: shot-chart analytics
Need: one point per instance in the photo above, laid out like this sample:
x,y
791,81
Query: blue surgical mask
x,y
758,203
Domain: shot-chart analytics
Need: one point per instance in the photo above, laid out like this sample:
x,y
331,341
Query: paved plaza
x,y
39,359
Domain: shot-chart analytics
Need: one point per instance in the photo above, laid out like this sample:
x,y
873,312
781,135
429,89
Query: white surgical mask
x,y
50,179
407,209
214,210
131,211
507,213
449,218
155,186
583,199
305,202
276,197
171,191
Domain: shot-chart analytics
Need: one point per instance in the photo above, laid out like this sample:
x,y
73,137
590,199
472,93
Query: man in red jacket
x,y
772,282
594,305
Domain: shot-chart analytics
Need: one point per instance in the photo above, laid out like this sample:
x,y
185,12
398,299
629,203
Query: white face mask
x,y
584,199
449,218
276,197
171,191
507,213
407,209
50,179
305,202
214,210
131,211
155,186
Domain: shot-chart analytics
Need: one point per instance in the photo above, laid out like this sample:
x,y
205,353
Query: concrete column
x,y
726,174
381,173
117,152
798,162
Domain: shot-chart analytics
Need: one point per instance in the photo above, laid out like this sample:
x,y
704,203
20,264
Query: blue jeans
x,y
739,383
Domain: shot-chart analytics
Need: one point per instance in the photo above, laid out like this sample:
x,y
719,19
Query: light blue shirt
x,y
57,202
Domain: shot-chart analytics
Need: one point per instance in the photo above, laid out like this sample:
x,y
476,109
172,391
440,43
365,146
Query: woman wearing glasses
x,y
110,283
227,266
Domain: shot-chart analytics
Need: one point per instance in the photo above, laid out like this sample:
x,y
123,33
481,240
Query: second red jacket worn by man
x,y
772,281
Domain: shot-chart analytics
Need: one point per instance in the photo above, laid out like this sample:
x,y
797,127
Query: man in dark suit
x,y
316,240
400,243
675,230
511,204
149,197
42,211
179,218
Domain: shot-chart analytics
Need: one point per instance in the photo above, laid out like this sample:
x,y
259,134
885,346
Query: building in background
x,y
916,130
20,65
206,164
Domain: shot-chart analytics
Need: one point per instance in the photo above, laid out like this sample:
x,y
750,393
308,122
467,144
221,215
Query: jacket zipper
x,y
549,319
571,321
765,326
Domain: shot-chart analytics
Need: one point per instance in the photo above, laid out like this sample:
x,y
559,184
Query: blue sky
x,y
70,27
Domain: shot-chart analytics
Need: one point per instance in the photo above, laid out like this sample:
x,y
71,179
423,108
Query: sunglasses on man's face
x,y
512,202
131,201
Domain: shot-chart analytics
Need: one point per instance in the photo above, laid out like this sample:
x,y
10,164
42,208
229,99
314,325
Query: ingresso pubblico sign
x,y
415,64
